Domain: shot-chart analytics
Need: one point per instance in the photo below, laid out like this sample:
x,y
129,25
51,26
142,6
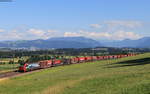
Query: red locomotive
x,y
39,65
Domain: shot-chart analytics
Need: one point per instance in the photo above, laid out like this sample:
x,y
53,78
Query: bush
x,y
11,62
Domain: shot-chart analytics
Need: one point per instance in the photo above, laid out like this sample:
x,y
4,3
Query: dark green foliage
x,y
71,52
11,62
21,62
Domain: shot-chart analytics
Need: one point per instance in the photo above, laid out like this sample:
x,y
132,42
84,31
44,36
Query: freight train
x,y
25,67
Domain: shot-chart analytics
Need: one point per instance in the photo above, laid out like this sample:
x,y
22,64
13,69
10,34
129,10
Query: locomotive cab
x,y
28,67
23,67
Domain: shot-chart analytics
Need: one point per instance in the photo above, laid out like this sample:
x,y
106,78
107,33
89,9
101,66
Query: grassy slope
x,y
9,67
101,77
6,60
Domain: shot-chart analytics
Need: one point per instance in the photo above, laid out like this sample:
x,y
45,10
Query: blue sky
x,y
97,19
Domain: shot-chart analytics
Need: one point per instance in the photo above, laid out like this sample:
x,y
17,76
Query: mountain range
x,y
75,42
140,43
61,42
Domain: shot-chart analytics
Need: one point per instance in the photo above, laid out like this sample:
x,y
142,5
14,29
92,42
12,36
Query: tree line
x,y
38,55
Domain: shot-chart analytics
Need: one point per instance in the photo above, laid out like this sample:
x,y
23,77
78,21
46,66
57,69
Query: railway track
x,y
15,73
9,74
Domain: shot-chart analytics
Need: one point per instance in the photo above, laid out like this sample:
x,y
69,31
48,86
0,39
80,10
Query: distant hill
x,y
61,42
140,43
75,42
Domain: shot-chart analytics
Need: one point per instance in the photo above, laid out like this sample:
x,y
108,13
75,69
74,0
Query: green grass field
x,y
9,67
6,60
129,75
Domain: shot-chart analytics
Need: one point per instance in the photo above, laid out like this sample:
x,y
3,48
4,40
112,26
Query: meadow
x,y
8,67
5,66
130,75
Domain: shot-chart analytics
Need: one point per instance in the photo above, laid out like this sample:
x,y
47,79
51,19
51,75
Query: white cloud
x,y
121,23
2,30
42,34
118,35
95,25
71,34
115,30
121,35
13,35
36,32
30,34
51,31
115,34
